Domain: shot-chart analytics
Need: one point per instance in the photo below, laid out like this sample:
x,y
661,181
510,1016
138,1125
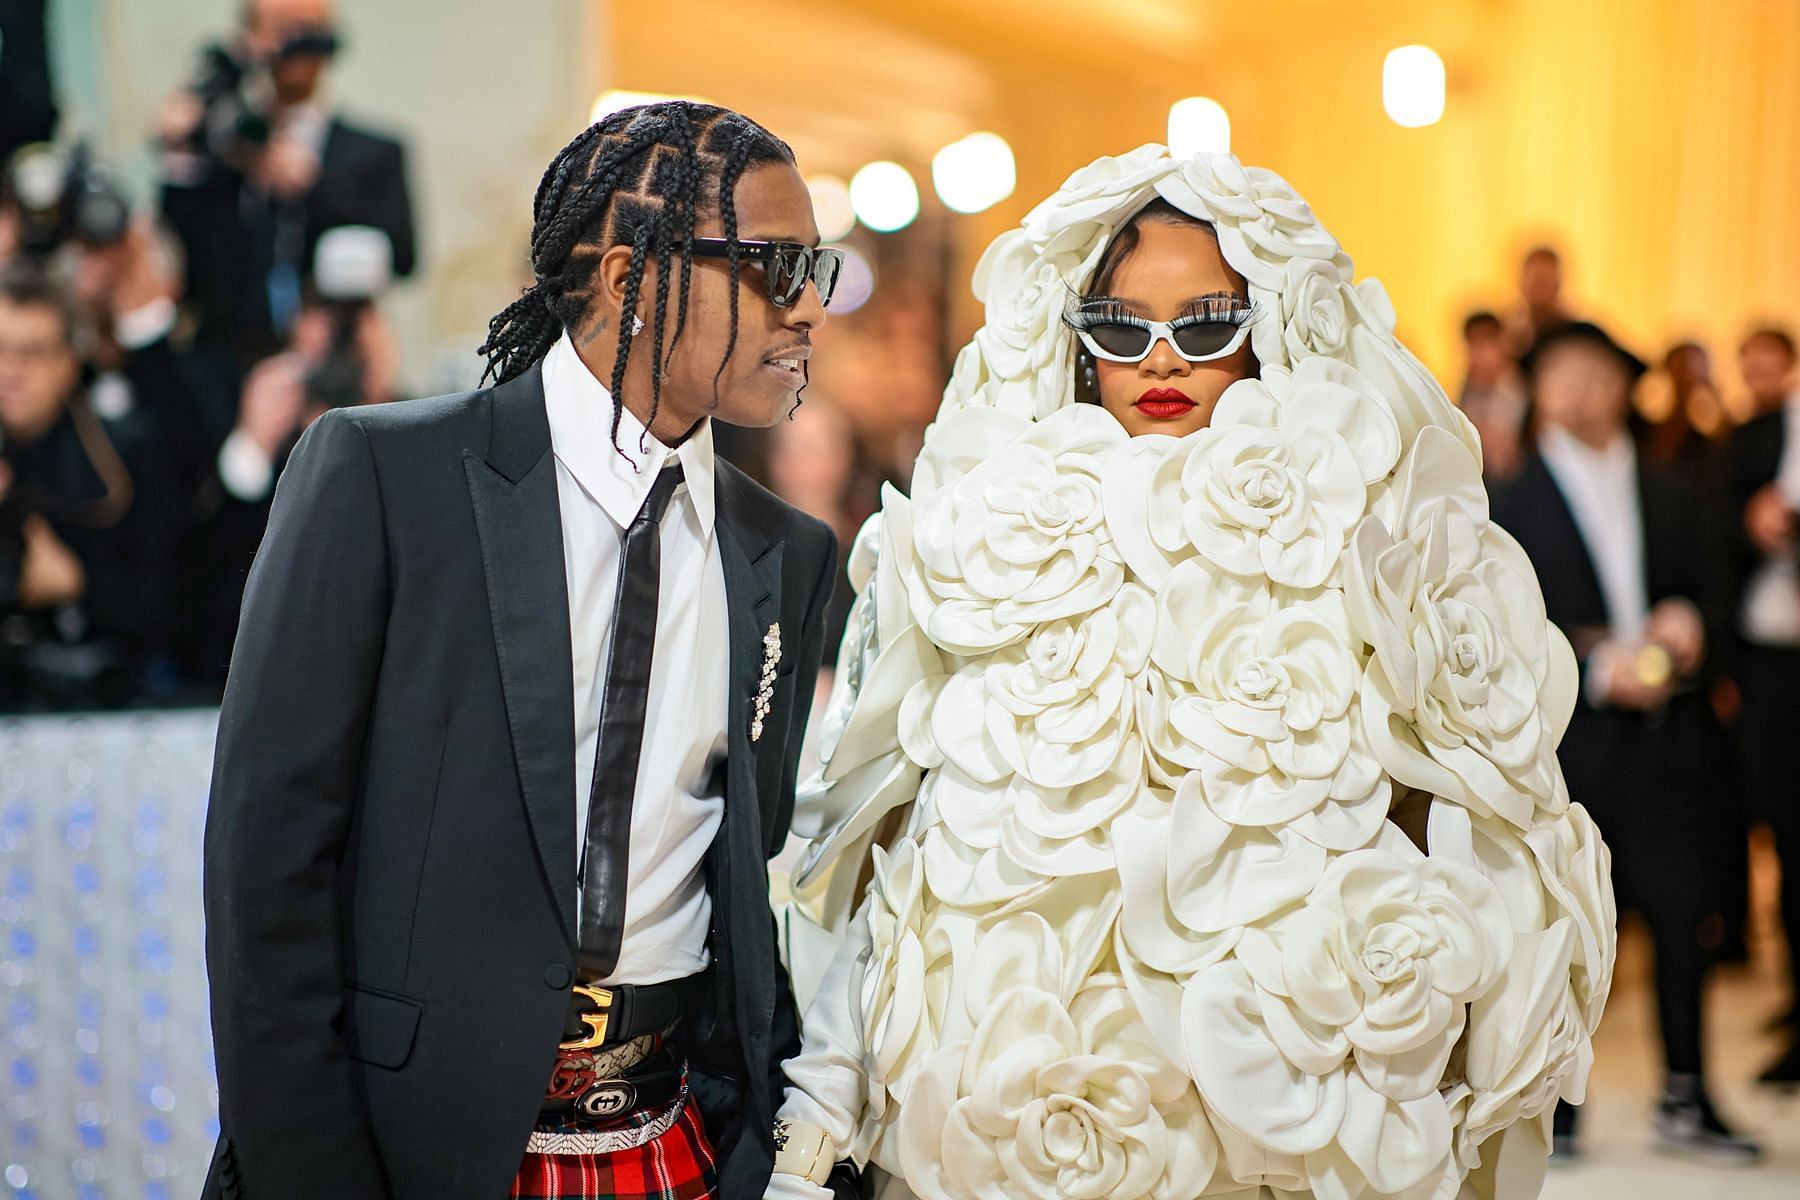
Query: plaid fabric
x,y
679,1165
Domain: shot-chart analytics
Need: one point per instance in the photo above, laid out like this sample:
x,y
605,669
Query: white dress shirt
x,y
1771,615
1601,489
678,805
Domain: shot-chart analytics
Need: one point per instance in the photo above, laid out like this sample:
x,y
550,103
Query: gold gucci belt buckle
x,y
595,1021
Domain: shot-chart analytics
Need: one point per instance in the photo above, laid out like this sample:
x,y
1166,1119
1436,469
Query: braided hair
x,y
638,178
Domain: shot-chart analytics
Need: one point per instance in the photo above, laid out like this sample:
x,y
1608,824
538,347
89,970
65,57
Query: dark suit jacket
x,y
230,243
1639,775
391,847
27,99
1756,448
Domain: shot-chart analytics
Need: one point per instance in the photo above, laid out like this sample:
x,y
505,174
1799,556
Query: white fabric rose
x,y
1576,870
1529,1042
1560,869
1327,395
1315,311
1025,298
1380,962
1270,706
1223,876
1036,740
1260,494
1027,353
1248,1084
969,378
965,876
1216,184
1143,506
1417,399
1041,1104
1437,472
1147,488
914,965
1466,671
1396,1149
1155,935
1262,222
1045,831
1266,340
1008,525
1095,200
1059,707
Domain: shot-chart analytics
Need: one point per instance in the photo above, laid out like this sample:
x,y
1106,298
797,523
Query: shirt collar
x,y
308,123
1563,447
580,409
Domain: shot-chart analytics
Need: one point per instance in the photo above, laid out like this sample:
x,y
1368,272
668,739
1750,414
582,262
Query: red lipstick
x,y
1164,404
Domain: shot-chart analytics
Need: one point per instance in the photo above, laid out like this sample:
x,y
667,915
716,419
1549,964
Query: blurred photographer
x,y
89,517
63,212
342,354
256,168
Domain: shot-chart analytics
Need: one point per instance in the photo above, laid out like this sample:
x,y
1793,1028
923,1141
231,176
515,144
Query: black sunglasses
x,y
786,266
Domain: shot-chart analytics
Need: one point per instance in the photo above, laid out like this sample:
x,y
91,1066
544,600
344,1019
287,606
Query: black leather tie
x,y
608,848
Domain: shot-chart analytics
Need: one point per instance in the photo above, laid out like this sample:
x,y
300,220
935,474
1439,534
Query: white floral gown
x,y
1189,813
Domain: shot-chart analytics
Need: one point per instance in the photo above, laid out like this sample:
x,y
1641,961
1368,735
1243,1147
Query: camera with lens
x,y
238,98
63,195
352,266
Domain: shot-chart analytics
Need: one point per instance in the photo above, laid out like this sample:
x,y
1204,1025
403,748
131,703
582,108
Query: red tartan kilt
x,y
679,1165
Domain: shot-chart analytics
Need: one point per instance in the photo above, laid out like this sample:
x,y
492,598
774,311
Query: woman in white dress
x,y
1189,821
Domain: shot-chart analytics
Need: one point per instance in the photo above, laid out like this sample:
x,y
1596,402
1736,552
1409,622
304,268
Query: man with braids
x,y
514,717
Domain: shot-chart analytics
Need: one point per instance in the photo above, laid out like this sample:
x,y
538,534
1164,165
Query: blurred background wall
x,y
1646,138
1655,142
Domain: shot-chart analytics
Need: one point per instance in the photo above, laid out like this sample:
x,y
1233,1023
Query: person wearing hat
x,y
1629,577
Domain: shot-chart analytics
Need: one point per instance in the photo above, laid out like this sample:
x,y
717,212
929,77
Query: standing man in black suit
x,y
1765,484
249,189
1629,579
514,719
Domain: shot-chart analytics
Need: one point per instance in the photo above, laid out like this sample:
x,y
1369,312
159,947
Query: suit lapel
x,y
752,566
520,524
1578,578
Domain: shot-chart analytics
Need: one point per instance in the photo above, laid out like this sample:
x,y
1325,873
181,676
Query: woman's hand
x,y
1769,521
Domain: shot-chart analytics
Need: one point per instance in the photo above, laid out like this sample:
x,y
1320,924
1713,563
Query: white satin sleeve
x,y
864,771
828,1083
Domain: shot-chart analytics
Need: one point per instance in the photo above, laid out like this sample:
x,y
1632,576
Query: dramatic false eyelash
x,y
1084,313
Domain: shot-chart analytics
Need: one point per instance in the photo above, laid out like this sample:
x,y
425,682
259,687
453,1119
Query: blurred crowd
x,y
159,362
1659,504
156,367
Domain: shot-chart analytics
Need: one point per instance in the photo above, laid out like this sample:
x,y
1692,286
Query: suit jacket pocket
x,y
379,1027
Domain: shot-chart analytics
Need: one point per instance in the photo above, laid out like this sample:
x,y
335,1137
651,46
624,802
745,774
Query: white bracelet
x,y
803,1150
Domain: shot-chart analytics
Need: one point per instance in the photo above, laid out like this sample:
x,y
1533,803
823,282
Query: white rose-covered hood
x,y
1121,727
